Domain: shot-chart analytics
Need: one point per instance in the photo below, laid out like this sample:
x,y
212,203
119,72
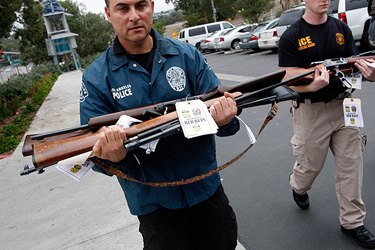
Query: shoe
x,y
361,235
301,200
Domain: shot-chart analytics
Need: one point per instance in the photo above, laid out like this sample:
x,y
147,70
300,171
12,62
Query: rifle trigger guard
x,y
342,78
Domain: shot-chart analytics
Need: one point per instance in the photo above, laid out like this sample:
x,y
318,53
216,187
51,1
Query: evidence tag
x,y
353,112
195,119
355,79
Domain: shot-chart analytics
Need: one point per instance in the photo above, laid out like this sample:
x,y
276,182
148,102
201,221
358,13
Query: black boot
x,y
301,200
361,235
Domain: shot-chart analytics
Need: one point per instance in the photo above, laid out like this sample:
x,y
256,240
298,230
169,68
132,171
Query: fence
x,y
12,71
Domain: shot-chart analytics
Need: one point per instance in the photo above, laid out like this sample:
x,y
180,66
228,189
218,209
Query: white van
x,y
194,35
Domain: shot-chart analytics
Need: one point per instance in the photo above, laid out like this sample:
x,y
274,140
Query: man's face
x,y
318,6
131,19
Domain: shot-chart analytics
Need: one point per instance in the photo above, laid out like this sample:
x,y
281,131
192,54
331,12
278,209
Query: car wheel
x,y
366,42
198,46
236,45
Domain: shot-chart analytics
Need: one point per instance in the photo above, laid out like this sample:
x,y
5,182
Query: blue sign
x,y
52,6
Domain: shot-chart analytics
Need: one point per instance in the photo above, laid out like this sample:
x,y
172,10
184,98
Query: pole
x,y
213,10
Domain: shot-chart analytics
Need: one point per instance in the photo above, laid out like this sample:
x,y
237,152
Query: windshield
x,y
289,17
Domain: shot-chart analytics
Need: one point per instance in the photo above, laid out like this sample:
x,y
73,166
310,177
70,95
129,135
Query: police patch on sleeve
x,y
176,78
83,93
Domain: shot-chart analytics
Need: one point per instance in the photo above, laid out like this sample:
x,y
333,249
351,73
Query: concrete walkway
x,y
53,211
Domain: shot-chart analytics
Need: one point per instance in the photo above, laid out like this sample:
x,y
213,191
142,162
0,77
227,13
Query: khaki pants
x,y
317,127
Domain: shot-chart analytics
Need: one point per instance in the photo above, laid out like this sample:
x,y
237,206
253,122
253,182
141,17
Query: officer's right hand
x,y
110,145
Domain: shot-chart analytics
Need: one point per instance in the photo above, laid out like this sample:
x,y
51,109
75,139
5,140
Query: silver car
x,y
231,40
250,39
208,42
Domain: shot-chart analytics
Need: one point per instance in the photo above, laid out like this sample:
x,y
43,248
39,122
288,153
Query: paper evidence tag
x,y
77,166
195,119
353,112
77,171
355,79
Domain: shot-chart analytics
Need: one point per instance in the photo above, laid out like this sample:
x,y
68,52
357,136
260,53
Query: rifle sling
x,y
107,167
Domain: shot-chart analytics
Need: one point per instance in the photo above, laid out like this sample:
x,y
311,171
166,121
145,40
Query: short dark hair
x,y
107,3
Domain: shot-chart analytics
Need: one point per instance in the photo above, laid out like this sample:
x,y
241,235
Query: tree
x,y
252,10
32,34
173,17
8,15
159,27
202,9
95,34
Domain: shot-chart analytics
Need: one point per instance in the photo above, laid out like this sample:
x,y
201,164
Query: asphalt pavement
x,y
52,210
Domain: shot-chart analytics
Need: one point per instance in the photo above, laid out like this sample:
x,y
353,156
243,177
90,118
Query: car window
x,y
333,7
224,32
213,33
289,17
182,34
212,28
245,29
273,24
197,31
230,31
355,4
227,26
260,27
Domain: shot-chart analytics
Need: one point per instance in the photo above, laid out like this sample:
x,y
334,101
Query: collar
x,y
162,46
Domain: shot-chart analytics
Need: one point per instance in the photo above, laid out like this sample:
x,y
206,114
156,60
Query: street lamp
x,y
213,10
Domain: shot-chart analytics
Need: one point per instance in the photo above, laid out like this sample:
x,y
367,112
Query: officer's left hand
x,y
224,110
367,71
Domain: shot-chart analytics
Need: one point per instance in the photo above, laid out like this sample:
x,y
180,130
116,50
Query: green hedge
x,y
29,89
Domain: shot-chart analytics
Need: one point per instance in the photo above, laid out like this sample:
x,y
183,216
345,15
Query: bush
x,y
35,85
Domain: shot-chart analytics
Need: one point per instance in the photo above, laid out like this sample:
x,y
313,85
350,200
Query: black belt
x,y
317,99
323,98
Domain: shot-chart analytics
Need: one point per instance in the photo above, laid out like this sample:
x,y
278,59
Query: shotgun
x,y
147,112
49,153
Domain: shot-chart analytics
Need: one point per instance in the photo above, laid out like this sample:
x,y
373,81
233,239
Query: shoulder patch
x,y
83,93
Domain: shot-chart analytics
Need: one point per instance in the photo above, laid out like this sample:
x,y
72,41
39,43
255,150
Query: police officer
x,y
142,68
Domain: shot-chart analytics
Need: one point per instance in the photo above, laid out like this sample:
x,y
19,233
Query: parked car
x,y
268,39
355,15
231,40
250,39
288,17
194,35
208,42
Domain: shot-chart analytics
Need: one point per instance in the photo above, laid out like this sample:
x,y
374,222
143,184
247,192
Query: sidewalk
x,y
53,211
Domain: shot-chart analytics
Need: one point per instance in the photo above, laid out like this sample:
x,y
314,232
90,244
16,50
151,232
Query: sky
x,y
97,6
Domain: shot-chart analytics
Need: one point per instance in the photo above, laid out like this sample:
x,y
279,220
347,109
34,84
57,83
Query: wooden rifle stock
x,y
96,123
51,152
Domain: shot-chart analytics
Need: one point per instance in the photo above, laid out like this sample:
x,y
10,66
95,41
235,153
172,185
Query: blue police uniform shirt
x,y
115,82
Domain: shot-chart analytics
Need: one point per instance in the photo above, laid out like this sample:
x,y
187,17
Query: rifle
x,y
50,152
338,68
259,91
147,112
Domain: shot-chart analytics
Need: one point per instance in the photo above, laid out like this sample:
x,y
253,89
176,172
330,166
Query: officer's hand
x,y
110,145
224,110
321,78
367,71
